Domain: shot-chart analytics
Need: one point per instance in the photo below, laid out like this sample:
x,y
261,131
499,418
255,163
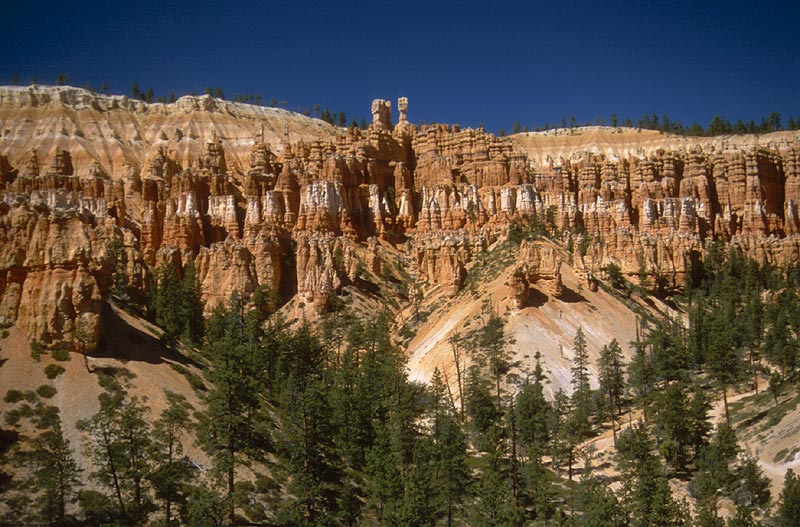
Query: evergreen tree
x,y
612,381
119,280
698,425
490,352
597,506
172,470
450,456
448,453
385,483
641,376
420,503
56,476
581,390
647,493
789,503
532,418
177,305
227,428
707,515
119,441
715,468
669,356
493,497
672,426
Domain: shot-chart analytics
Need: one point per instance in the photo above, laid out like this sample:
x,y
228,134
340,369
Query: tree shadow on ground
x,y
122,340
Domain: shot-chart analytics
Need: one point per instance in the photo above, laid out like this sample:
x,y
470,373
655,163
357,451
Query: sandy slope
x,y
548,328
134,347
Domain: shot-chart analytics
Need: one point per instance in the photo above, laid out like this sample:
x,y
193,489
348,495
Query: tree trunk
x,y
307,467
611,411
449,392
170,489
113,469
457,361
571,453
231,483
725,400
514,458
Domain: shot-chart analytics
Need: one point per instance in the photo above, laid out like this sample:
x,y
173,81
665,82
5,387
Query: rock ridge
x,y
263,198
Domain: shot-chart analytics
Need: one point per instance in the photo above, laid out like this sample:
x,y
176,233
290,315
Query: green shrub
x,y
37,350
46,391
53,370
194,381
13,396
615,276
60,355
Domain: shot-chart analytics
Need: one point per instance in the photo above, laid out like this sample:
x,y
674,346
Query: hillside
x,y
349,268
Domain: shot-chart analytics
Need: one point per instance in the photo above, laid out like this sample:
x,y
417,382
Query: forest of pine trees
x,y
305,427
717,126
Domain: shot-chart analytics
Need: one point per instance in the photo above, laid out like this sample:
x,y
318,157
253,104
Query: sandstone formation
x,y
537,264
264,198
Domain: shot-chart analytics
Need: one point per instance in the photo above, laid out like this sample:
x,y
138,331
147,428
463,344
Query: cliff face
x,y
260,197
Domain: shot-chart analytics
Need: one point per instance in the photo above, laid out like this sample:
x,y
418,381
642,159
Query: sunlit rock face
x,y
264,198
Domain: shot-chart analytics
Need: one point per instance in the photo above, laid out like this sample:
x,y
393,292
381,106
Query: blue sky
x,y
492,63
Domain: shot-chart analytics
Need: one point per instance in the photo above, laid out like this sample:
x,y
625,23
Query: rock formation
x,y
538,265
260,197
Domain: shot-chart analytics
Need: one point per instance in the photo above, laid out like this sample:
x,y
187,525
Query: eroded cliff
x,y
264,198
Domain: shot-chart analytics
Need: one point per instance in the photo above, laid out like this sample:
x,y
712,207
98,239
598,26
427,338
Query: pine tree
x,y
672,426
598,506
612,381
177,306
789,507
450,458
492,353
384,484
171,469
493,500
420,501
715,469
227,427
532,418
647,493
641,376
581,390
57,475
119,442
558,426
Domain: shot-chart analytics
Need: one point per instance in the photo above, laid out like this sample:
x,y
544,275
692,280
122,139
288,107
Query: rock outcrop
x,y
263,198
539,265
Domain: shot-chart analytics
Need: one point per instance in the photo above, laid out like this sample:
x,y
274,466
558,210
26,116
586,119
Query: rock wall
x,y
258,197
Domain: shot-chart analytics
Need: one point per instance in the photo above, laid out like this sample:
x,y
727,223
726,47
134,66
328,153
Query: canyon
x,y
263,198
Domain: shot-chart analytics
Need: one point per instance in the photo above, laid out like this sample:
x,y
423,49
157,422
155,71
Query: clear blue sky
x,y
467,62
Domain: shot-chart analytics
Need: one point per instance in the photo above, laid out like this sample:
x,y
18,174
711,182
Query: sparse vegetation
x,y
13,396
52,371
60,354
46,391
37,350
